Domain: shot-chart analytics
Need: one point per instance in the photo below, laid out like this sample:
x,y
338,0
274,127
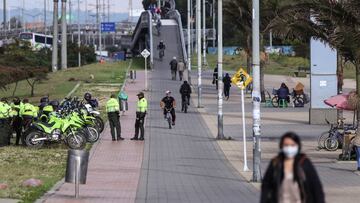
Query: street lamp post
x,y
79,40
256,92
204,31
63,35
220,71
189,40
4,14
198,47
55,37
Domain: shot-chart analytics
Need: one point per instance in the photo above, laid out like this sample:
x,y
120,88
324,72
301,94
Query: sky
x,y
116,5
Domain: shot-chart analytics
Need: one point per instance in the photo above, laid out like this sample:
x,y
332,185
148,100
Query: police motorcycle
x,y
58,128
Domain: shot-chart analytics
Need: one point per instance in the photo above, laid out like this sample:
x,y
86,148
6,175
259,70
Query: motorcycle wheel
x,y
92,135
331,144
34,144
76,140
99,124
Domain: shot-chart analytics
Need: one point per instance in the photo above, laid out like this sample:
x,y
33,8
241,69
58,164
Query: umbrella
x,y
340,101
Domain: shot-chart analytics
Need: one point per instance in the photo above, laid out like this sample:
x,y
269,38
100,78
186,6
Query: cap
x,y
167,92
140,93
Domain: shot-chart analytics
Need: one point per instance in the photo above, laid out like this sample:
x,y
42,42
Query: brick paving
x,y
340,182
114,167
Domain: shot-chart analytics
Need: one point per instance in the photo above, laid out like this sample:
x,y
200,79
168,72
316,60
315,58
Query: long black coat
x,y
305,175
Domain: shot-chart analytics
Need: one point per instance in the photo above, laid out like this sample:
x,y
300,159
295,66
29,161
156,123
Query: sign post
x,y
145,53
242,79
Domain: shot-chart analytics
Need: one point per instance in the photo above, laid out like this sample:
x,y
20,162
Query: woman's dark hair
x,y
292,136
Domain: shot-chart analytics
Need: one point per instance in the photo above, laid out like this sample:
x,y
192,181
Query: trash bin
x,y
77,164
133,74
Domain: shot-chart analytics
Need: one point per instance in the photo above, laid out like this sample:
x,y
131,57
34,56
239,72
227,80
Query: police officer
x,y
112,109
5,131
140,117
17,120
28,113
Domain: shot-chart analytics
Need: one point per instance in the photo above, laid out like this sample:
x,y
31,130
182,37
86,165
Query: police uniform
x,y
17,121
140,118
112,109
28,113
5,131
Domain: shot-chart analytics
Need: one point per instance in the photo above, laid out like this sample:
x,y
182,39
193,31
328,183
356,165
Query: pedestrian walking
x,y
141,110
181,68
16,119
291,177
123,100
215,77
5,128
112,110
227,85
173,68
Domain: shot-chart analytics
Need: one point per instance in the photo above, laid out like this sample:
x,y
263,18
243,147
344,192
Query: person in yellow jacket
x,y
141,110
112,110
28,113
16,106
5,129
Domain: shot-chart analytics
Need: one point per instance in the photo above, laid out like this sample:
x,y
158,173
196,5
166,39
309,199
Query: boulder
x,y
32,182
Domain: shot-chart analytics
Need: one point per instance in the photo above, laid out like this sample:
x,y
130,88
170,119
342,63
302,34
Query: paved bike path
x,y
184,164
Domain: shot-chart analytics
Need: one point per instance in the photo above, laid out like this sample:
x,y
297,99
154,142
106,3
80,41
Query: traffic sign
x,y
145,53
108,27
241,78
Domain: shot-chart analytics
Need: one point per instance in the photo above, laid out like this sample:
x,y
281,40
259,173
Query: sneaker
x,y
120,138
141,138
113,139
173,123
134,138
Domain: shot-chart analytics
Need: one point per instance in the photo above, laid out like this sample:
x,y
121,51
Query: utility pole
x,y
189,39
98,22
256,92
79,40
220,135
198,46
108,11
4,14
63,36
55,36
45,29
204,31
214,20
22,16
70,22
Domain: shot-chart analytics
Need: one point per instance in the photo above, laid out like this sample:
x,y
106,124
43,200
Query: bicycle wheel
x,y
331,143
168,117
275,101
322,138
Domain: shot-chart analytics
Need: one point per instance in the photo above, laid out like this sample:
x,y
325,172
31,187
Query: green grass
x,y
18,163
276,65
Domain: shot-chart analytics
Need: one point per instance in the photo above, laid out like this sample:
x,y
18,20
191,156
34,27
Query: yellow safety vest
x,y
28,110
4,110
15,109
142,105
112,105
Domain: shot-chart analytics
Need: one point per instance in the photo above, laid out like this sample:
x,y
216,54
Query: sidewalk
x,y
114,167
340,182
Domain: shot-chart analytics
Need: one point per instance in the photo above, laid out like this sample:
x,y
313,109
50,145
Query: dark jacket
x,y
173,65
283,93
305,175
185,89
227,81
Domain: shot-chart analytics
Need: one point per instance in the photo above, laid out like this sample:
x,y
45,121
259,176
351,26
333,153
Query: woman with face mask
x,y
291,177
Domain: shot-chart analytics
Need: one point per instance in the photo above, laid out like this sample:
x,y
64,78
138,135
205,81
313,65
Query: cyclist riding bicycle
x,y
169,103
161,47
185,91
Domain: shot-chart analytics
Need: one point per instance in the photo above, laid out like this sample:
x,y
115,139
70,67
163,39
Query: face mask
x,y
290,151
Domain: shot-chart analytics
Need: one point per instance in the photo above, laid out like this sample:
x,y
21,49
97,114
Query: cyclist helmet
x,y
87,96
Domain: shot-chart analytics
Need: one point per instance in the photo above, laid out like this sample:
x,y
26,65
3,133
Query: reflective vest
x,y
48,109
4,110
112,105
142,105
28,110
15,109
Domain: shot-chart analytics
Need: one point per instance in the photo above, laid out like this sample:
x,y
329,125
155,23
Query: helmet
x,y
167,92
87,96
141,94
174,57
44,99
